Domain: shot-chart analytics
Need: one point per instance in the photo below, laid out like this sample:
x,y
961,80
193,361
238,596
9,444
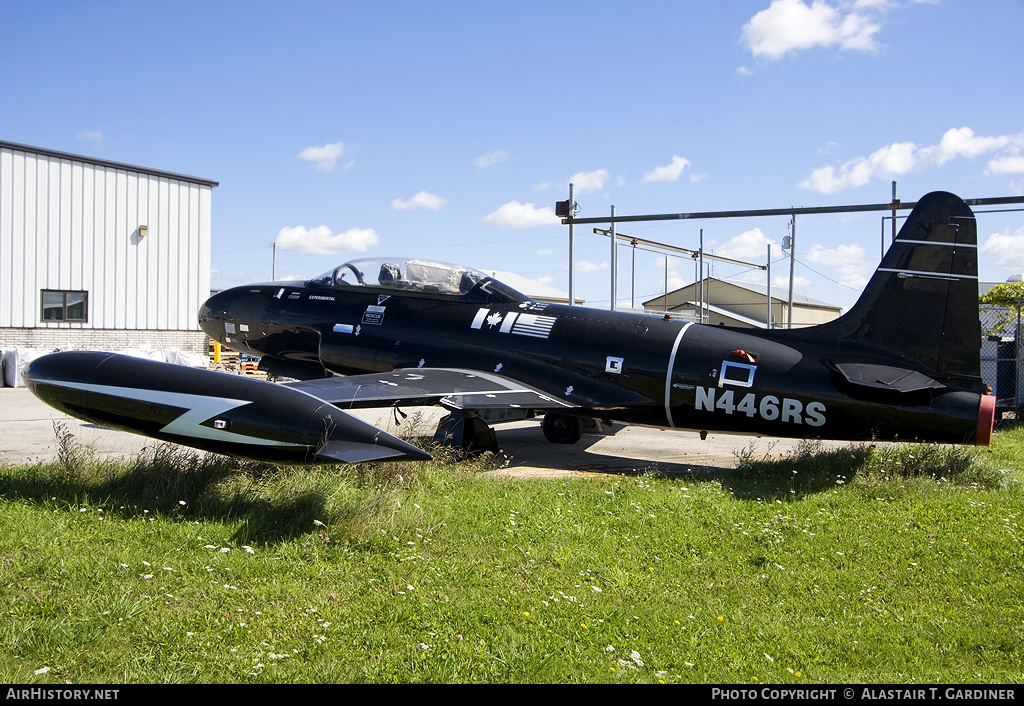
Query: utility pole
x,y
572,251
666,281
792,260
632,280
895,205
701,281
615,264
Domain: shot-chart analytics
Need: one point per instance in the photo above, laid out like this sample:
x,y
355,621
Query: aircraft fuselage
x,y
623,367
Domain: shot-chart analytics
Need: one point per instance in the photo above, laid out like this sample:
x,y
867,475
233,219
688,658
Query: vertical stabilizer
x,y
922,302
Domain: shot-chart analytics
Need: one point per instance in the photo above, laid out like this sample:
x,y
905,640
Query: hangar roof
x,y
106,163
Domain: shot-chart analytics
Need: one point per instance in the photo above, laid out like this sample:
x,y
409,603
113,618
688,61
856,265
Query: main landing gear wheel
x,y
561,428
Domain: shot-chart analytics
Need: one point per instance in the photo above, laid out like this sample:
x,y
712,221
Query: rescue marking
x,y
374,315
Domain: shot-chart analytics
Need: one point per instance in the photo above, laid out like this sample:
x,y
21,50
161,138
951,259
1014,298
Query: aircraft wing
x,y
450,387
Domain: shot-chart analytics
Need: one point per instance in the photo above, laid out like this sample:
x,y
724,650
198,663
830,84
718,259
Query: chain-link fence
x,y
1001,359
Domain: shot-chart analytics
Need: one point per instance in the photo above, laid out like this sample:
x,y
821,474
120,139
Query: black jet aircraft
x,y
903,363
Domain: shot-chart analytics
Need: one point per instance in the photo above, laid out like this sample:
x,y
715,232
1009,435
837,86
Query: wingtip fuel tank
x,y
208,410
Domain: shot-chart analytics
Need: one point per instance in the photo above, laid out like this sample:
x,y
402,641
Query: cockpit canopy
x,y
424,276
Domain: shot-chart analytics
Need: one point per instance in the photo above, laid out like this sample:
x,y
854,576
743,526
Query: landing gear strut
x,y
562,428
466,431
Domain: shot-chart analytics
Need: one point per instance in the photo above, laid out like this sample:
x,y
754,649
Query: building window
x,y
65,305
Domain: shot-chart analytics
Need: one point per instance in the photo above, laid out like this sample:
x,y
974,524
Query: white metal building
x,y
97,254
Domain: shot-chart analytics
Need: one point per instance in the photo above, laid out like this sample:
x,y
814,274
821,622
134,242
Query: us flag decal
x,y
533,325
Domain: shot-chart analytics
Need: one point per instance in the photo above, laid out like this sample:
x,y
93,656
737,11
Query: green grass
x,y
889,564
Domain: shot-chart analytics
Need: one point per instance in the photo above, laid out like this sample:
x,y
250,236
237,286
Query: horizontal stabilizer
x,y
887,377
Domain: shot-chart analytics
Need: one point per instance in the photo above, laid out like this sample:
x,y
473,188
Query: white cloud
x,y
489,159
902,157
779,281
543,253
320,241
962,142
1006,249
587,266
791,25
782,281
245,276
1011,164
522,215
854,269
751,245
675,280
325,157
584,182
835,257
420,200
670,172
92,135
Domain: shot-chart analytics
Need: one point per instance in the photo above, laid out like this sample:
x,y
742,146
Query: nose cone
x,y
62,380
234,311
214,312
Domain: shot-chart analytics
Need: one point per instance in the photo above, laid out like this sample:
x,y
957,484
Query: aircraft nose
x,y
213,312
238,311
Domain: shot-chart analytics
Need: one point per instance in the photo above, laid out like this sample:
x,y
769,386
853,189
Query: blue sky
x,y
448,130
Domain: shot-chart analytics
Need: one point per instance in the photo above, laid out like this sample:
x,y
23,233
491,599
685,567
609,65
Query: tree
x,y
1007,299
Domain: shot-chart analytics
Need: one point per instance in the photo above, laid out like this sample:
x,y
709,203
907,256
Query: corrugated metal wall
x,y
73,224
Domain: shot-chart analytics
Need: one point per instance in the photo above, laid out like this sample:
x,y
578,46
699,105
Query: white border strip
x,y
668,374
934,242
924,273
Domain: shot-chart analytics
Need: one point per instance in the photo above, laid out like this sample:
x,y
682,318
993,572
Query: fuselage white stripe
x,y
668,374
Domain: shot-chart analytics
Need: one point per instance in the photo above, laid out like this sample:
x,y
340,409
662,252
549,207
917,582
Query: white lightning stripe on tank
x,y
668,374
199,409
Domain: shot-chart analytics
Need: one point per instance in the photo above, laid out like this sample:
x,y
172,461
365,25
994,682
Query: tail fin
x,y
922,302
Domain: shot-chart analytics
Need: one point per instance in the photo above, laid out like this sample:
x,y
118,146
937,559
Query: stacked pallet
x,y
249,364
230,361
